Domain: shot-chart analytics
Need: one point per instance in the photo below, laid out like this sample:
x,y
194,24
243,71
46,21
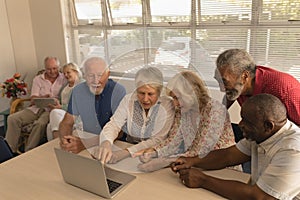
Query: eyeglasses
x,y
52,69
94,76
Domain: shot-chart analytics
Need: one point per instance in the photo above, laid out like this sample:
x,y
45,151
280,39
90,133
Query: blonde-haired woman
x,y
201,124
73,75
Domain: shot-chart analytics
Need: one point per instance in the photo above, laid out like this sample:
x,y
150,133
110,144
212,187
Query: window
x,y
87,11
126,11
226,11
284,11
170,12
187,34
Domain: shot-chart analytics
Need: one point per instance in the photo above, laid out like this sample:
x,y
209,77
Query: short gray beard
x,y
235,93
94,91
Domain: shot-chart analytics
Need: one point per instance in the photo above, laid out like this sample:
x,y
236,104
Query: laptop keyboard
x,y
112,185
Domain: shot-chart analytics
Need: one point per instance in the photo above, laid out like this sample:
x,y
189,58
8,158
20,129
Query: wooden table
x,y
35,175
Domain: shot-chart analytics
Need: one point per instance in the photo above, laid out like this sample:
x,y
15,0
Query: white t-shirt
x,y
276,162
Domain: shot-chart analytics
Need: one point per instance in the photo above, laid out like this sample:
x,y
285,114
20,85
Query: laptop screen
x,y
91,175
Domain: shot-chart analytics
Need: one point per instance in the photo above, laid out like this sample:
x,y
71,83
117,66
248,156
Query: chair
x,y
17,105
5,151
25,130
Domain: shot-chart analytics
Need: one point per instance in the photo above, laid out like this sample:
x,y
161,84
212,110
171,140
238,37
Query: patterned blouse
x,y
145,130
195,133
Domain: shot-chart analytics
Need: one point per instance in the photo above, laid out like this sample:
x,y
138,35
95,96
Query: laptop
x,y
43,102
91,175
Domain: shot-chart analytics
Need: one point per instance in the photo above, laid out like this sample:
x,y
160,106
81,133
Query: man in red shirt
x,y
240,78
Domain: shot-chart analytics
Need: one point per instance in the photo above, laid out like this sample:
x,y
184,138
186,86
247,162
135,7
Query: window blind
x,y
267,29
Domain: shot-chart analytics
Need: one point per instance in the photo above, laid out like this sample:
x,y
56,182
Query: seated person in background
x,y
271,141
45,85
93,101
73,75
146,115
201,124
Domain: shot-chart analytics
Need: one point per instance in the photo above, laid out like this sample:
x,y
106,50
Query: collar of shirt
x,y
258,80
283,132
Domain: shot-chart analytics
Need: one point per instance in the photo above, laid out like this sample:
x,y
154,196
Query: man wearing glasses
x,y
91,105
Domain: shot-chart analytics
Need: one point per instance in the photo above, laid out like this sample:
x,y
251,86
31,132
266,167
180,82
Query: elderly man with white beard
x,y
93,102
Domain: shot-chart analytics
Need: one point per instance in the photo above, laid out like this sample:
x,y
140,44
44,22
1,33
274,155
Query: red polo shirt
x,y
281,85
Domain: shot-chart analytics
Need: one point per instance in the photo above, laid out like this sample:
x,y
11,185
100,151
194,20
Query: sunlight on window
x,y
169,11
126,11
88,9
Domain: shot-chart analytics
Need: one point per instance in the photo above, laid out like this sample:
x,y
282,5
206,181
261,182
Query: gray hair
x,y
237,60
190,87
151,76
51,57
89,61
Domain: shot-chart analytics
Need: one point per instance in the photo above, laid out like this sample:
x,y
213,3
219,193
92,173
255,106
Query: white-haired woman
x,y
201,124
73,75
144,115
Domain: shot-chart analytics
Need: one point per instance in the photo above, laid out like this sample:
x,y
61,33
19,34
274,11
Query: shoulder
x,y
39,78
291,138
165,100
244,146
61,79
271,75
274,82
167,103
129,97
81,80
215,105
80,87
61,75
215,110
65,86
115,85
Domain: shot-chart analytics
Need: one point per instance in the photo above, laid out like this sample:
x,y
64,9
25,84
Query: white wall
x,y
48,32
7,61
22,38
30,30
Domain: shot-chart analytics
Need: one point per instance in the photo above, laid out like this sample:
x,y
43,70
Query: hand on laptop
x,y
104,152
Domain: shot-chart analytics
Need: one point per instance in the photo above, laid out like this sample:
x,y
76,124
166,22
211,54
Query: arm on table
x,y
69,142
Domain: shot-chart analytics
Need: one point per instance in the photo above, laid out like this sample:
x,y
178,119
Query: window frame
x,y
107,26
